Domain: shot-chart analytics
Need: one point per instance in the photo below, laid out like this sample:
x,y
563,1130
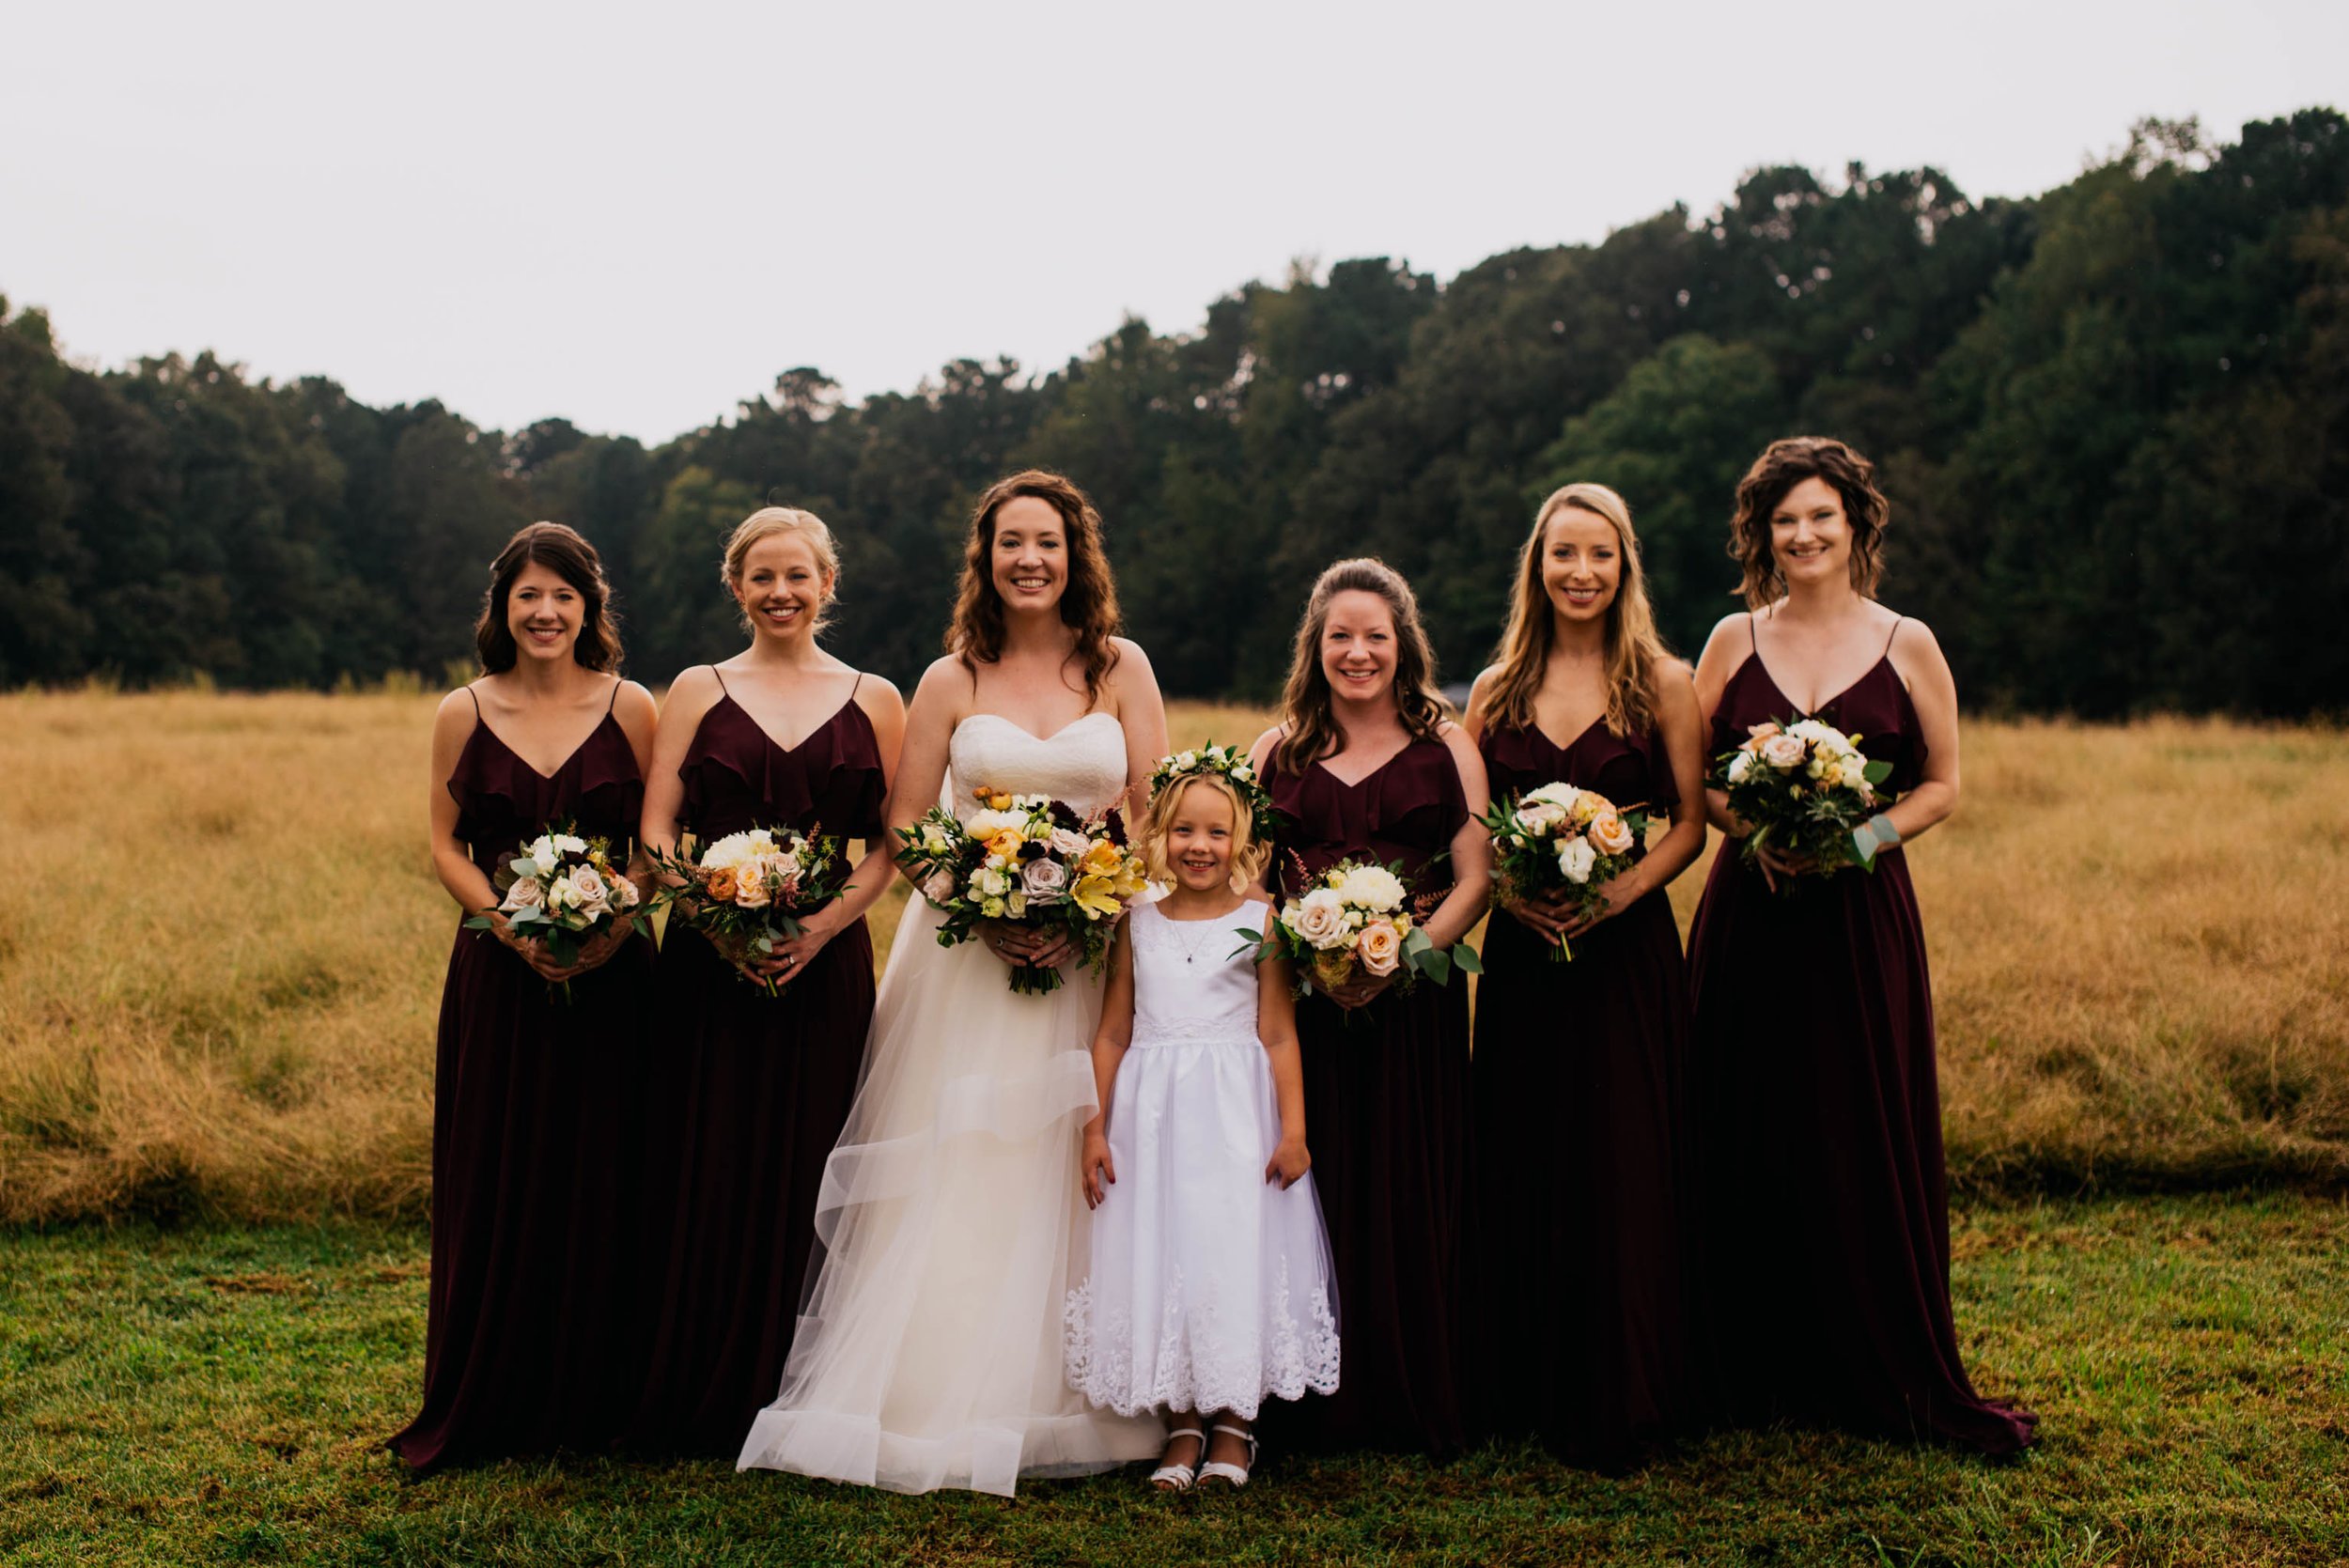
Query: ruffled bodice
x,y
1406,811
1084,766
1876,707
737,776
1190,981
503,802
1629,770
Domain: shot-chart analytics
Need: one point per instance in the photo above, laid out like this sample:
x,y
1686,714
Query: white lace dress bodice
x,y
951,1227
1209,1287
1084,766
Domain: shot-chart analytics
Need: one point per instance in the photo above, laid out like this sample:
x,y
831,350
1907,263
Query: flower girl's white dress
x,y
1209,1287
951,1223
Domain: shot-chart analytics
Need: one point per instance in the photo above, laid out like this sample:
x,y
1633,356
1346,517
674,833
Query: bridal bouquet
x,y
1027,859
1803,788
1355,921
747,890
563,889
1559,839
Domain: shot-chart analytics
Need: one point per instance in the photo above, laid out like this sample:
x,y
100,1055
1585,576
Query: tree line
x,y
2113,421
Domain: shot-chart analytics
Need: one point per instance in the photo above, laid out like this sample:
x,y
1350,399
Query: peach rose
x,y
1611,834
721,885
524,894
1321,920
1781,750
1380,947
750,891
940,889
1761,732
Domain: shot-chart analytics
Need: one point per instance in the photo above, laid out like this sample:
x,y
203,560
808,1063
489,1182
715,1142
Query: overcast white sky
x,y
633,216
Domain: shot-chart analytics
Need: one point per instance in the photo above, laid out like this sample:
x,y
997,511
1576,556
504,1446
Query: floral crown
x,y
1229,761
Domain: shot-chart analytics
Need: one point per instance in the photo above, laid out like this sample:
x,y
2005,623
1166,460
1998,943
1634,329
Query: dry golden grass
x,y
2140,951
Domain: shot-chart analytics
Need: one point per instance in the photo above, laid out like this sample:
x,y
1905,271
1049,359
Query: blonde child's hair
x,y
1248,855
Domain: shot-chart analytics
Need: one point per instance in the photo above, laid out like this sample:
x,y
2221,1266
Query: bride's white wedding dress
x,y
951,1225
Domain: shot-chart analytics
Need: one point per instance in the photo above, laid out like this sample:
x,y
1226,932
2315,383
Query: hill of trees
x,y
2113,420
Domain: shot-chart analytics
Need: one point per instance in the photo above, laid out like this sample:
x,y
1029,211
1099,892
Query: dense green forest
x,y
2113,420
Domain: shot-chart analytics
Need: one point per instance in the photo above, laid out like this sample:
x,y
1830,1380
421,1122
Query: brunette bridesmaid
x,y
750,1090
1577,1236
1826,1294
527,1345
1364,763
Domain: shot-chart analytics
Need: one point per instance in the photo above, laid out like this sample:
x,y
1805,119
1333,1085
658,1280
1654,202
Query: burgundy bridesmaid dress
x,y
1387,1121
528,1346
1825,1288
748,1093
1577,1238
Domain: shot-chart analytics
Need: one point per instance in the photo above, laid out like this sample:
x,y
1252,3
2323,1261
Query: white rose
x,y
1562,796
1740,764
1575,859
1374,887
993,883
588,889
934,838
1319,919
1186,761
542,855
569,844
524,894
1851,772
1241,772
1067,843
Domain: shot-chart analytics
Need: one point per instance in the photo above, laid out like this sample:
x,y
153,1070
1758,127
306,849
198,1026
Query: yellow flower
x,y
1098,896
1005,843
1101,860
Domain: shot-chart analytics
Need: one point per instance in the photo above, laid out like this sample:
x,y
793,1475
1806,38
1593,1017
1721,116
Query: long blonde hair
x,y
1634,650
1313,729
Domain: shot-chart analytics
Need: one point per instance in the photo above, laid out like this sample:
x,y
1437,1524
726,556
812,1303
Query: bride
x,y
927,1353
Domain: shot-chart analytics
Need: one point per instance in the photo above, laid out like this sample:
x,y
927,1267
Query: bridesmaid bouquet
x,y
1355,921
1559,839
746,889
1803,787
563,889
1027,859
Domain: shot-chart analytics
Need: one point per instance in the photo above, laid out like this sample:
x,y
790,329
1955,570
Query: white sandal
x,y
1217,1469
1177,1477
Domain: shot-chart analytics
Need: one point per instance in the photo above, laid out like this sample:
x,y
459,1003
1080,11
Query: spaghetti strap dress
x,y
748,1092
1387,1119
1824,1215
528,1342
1579,1078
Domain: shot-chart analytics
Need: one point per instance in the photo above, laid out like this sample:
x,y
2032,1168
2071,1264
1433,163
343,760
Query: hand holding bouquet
x,y
1560,843
563,892
1804,789
747,891
1028,861
1353,924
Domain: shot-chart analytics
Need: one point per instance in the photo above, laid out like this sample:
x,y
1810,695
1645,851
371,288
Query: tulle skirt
x,y
950,1228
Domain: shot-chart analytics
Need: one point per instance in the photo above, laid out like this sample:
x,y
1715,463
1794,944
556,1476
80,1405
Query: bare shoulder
x,y
459,712
1260,750
1457,739
1128,649
1916,652
879,697
948,681
1481,689
695,684
1130,672
633,705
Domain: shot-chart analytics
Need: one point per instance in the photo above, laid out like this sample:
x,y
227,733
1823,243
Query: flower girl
x,y
1210,1288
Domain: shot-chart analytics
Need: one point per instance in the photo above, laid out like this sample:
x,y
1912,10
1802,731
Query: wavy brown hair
x,y
1782,466
574,560
1088,602
1634,651
1312,728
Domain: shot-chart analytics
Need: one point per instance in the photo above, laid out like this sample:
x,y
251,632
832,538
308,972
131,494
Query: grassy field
x,y
205,1395
221,955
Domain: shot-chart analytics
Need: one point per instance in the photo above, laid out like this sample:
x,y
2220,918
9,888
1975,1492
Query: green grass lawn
x,y
221,1396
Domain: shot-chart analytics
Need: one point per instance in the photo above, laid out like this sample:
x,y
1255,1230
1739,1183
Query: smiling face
x,y
1028,560
1200,840
544,613
1581,564
1810,535
783,586
1358,651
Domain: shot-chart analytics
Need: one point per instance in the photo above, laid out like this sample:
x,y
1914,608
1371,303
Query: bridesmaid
x,y
1580,1066
1825,1222
750,1091
526,1347
1364,763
